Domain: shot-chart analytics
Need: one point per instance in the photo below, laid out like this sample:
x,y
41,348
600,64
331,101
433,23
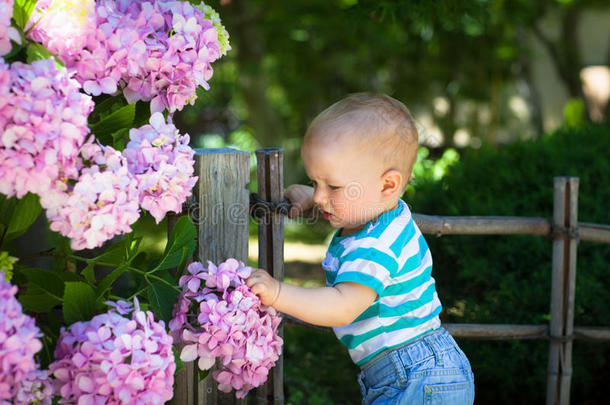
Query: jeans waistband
x,y
432,342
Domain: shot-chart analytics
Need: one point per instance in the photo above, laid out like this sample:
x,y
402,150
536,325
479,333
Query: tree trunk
x,y
565,53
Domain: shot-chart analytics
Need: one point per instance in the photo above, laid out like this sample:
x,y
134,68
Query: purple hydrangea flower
x,y
21,381
43,124
115,359
35,389
158,51
101,203
162,162
7,33
217,317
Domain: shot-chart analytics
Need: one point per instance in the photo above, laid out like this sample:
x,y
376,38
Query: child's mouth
x,y
326,215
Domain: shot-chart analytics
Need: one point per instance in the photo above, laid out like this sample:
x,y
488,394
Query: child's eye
x,y
334,187
312,183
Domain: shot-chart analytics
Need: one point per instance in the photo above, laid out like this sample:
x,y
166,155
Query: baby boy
x,y
380,297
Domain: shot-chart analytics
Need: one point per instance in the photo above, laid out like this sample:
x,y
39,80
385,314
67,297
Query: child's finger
x,y
257,288
253,279
294,211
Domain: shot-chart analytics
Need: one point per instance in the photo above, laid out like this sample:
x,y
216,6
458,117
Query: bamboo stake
x,y
570,248
592,333
271,252
594,232
559,372
497,332
494,331
473,225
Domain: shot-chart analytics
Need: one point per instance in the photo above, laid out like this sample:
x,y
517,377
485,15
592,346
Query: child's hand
x,y
266,287
301,199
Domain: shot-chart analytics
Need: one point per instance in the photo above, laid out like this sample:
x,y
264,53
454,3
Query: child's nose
x,y
319,197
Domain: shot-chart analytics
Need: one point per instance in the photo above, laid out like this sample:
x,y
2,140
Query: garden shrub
x,y
506,279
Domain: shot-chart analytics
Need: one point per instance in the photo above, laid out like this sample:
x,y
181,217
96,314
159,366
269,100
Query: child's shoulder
x,y
387,235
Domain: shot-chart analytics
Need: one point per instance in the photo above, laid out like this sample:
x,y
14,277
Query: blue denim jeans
x,y
430,370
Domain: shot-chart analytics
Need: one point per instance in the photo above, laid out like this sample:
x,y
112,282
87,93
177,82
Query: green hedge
x,y
506,279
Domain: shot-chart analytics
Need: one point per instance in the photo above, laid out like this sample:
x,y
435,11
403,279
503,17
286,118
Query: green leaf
x,y
47,280
7,205
22,10
121,254
37,299
162,297
177,359
107,281
104,106
36,51
142,113
119,119
180,244
119,138
89,273
79,302
24,213
202,374
114,255
45,289
69,276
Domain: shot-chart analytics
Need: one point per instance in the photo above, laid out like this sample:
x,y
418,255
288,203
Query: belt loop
x,y
399,366
431,342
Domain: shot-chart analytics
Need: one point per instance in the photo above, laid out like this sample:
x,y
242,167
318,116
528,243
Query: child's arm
x,y
327,306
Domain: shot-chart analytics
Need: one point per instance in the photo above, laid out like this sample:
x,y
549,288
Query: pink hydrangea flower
x,y
35,389
162,162
231,325
115,359
43,124
87,190
102,203
63,26
20,377
7,33
158,51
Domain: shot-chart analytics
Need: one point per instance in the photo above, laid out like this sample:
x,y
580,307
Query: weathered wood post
x,y
221,214
563,285
270,174
185,392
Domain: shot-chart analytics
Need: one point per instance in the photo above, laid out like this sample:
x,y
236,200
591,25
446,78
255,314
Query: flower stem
x,y
157,278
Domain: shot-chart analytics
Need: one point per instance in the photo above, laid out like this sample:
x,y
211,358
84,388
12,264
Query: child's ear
x,y
391,182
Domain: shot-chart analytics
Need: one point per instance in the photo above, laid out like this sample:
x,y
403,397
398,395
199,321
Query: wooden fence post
x,y
185,392
563,283
221,215
270,174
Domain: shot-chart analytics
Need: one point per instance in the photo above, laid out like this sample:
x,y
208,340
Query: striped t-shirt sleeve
x,y
368,266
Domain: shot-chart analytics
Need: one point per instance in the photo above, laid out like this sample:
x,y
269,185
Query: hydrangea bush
x,y
87,93
122,356
218,317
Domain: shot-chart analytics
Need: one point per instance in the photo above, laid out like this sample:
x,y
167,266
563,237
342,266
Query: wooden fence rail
x,y
473,225
223,175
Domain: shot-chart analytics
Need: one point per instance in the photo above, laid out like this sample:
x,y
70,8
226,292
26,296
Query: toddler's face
x,y
347,181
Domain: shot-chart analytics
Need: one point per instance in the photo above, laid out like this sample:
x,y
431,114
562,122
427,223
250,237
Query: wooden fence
x,y
220,208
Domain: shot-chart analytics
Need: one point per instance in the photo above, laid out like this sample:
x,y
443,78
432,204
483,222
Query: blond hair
x,y
376,118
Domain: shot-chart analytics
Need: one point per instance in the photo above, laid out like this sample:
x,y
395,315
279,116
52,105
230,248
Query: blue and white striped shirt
x,y
391,256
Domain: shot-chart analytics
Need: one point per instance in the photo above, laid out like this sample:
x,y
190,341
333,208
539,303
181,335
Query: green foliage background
x,y
506,279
